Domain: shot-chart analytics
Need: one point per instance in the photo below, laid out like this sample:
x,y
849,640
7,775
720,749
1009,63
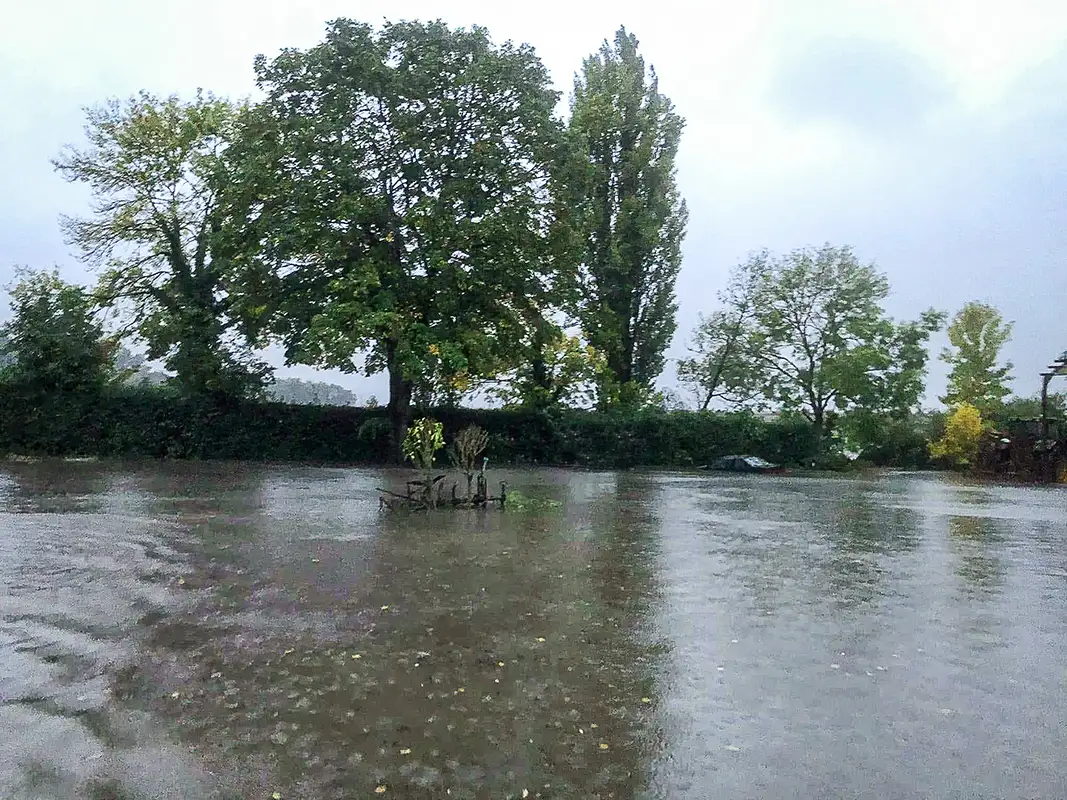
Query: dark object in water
x,y
426,494
743,464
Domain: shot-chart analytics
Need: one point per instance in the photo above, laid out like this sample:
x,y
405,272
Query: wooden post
x,y
1044,404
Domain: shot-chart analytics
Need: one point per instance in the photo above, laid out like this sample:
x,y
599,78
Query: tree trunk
x,y
818,425
539,377
399,408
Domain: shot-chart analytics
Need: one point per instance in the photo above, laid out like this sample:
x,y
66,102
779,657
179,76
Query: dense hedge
x,y
156,424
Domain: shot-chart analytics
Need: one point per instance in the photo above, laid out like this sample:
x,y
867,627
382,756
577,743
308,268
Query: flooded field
x,y
237,631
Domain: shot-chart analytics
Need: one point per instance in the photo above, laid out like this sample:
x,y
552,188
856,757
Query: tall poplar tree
x,y
625,134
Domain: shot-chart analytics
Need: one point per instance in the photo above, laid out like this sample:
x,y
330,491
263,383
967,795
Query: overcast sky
x,y
931,136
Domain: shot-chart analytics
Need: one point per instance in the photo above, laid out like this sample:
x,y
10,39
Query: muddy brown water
x,y
222,631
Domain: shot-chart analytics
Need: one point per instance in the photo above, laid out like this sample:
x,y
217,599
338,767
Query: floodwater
x,y
198,631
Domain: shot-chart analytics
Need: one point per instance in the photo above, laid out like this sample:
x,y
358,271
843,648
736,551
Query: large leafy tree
x,y
396,200
59,360
821,342
626,134
976,336
156,169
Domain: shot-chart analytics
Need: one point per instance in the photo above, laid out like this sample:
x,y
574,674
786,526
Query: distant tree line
x,y
406,200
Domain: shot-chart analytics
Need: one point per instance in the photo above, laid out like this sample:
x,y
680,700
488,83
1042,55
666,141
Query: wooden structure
x,y
1029,449
1057,367
429,493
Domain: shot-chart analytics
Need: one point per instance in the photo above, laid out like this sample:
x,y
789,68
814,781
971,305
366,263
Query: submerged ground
x,y
191,631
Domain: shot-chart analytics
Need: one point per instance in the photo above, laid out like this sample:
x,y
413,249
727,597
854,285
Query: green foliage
x,y
624,135
139,422
958,447
156,170
373,429
54,342
424,438
720,368
395,196
897,441
520,502
820,340
1030,408
59,360
976,336
560,372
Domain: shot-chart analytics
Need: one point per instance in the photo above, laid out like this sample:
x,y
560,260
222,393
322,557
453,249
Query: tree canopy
x,y
395,201
59,360
625,134
976,336
54,342
155,168
820,341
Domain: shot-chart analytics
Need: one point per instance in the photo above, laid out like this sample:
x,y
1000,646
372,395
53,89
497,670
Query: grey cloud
x,y
970,206
860,84
952,207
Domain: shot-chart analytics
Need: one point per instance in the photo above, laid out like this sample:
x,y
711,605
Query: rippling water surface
x,y
232,631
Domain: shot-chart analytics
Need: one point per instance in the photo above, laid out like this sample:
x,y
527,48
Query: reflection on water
x,y
977,544
218,630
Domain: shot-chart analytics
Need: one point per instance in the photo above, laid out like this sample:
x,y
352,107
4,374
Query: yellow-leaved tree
x,y
963,432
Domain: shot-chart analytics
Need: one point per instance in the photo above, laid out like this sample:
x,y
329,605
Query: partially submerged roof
x,y
755,462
